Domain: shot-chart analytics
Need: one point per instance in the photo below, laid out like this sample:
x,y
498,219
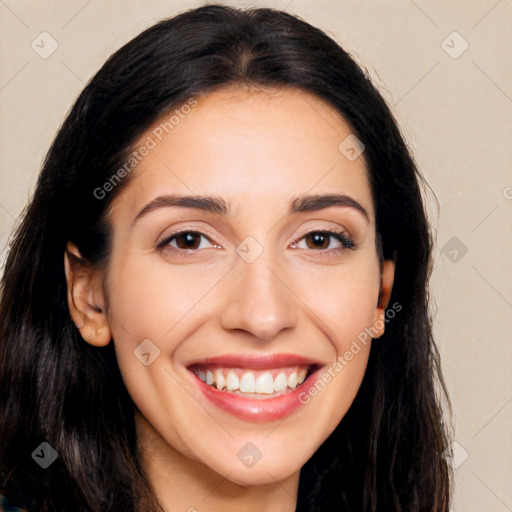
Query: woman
x,y
217,298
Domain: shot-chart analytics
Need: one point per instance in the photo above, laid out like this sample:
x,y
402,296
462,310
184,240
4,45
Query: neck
x,y
183,484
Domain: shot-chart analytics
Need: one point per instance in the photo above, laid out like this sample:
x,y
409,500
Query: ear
x,y
86,298
386,285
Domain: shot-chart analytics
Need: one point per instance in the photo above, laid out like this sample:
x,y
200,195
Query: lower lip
x,y
256,410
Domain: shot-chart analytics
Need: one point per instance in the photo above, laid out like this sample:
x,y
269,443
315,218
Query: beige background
x,y
456,114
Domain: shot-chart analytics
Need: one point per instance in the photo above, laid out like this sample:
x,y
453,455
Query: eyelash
x,y
346,242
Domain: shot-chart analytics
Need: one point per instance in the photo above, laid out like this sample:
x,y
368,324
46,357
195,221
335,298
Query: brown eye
x,y
188,240
322,240
318,240
186,243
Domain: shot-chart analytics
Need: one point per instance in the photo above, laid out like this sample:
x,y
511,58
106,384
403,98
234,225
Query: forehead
x,y
251,147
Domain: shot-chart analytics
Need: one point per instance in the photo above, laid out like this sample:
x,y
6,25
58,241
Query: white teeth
x,y
220,381
280,382
265,384
247,383
232,382
292,380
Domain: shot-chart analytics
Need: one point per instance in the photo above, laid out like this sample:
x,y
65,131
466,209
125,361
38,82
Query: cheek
x,y
148,297
345,306
142,306
152,299
343,299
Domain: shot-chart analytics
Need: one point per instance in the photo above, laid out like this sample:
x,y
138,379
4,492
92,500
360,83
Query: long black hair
x,y
386,454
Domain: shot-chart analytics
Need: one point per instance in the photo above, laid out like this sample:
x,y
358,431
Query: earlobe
x,y
386,285
85,298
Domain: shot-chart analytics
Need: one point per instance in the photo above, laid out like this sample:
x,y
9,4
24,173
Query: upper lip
x,y
255,361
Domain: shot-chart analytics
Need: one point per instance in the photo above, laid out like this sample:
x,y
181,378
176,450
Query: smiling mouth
x,y
253,387
251,383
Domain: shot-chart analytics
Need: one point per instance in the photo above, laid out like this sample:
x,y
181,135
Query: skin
x,y
258,150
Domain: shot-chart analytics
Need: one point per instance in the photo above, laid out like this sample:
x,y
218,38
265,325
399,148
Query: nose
x,y
258,300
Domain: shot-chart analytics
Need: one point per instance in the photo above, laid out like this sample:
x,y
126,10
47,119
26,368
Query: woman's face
x,y
241,285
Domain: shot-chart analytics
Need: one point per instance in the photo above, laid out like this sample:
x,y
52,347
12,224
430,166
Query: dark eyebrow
x,y
307,203
302,203
206,203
